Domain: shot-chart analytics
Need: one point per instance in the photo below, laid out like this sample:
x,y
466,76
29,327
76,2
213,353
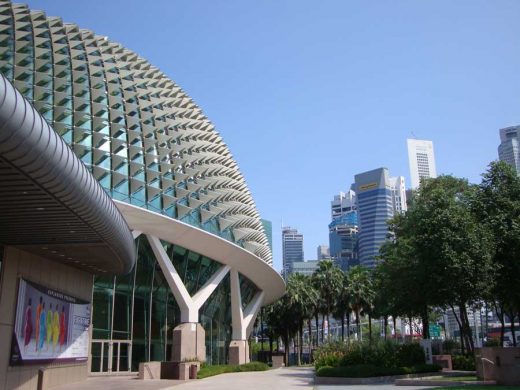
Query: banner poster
x,y
50,326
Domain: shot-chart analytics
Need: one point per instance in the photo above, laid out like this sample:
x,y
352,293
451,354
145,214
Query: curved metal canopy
x,y
50,204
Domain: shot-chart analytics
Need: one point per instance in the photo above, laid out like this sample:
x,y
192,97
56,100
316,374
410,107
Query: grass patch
x,y
369,370
479,387
458,378
208,371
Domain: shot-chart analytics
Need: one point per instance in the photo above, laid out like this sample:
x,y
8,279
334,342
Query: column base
x,y
189,343
238,352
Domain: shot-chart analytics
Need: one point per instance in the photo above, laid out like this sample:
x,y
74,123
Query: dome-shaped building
x,y
202,254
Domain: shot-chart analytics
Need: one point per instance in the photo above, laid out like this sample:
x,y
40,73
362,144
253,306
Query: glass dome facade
x,y
143,138
148,144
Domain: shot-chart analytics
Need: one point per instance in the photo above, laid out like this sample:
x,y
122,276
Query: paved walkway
x,y
289,378
301,378
119,383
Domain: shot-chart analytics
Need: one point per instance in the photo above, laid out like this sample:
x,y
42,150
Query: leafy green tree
x,y
441,250
497,204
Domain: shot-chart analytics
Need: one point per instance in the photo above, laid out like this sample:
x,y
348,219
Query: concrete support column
x,y
189,336
188,343
242,320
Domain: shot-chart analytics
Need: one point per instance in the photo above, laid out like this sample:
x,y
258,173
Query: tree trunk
x,y
370,328
323,328
358,327
300,355
394,319
385,322
317,330
328,327
270,349
460,328
410,319
469,333
286,342
309,323
513,336
262,328
348,327
499,310
426,324
342,328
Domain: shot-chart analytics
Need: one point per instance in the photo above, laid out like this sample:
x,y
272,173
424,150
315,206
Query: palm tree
x,y
328,279
361,291
342,307
302,298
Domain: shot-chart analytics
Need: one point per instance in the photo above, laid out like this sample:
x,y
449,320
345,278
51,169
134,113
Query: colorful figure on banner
x,y
55,328
49,327
42,328
37,323
62,327
28,325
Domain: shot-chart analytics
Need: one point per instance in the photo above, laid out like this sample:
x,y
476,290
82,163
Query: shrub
x,y
410,354
253,366
463,362
370,370
207,371
493,342
329,354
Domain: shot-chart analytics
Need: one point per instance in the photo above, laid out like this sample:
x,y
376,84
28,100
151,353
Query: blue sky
x,y
307,94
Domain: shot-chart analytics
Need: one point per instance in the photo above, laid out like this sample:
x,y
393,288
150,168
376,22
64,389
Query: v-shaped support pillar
x,y
243,321
188,337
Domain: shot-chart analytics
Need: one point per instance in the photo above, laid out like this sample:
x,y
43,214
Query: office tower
x,y
343,239
398,189
421,160
342,203
375,207
323,252
268,230
508,148
292,248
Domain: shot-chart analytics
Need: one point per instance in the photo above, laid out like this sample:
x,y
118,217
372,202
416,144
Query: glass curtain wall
x,y
137,312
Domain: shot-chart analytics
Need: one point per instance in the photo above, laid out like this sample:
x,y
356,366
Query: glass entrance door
x,y
111,356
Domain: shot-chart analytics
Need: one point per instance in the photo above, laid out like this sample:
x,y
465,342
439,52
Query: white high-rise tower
x,y
421,159
509,150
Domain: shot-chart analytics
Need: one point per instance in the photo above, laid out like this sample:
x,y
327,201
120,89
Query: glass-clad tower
x,y
375,207
203,256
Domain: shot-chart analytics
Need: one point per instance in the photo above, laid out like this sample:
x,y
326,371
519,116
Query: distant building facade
x,y
343,229
421,159
343,239
342,203
305,267
323,252
292,248
375,206
398,188
508,150
268,230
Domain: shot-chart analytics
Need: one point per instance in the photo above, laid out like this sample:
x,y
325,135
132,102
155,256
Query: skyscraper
x,y
375,207
421,160
323,252
342,203
343,239
343,230
292,248
398,189
508,148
